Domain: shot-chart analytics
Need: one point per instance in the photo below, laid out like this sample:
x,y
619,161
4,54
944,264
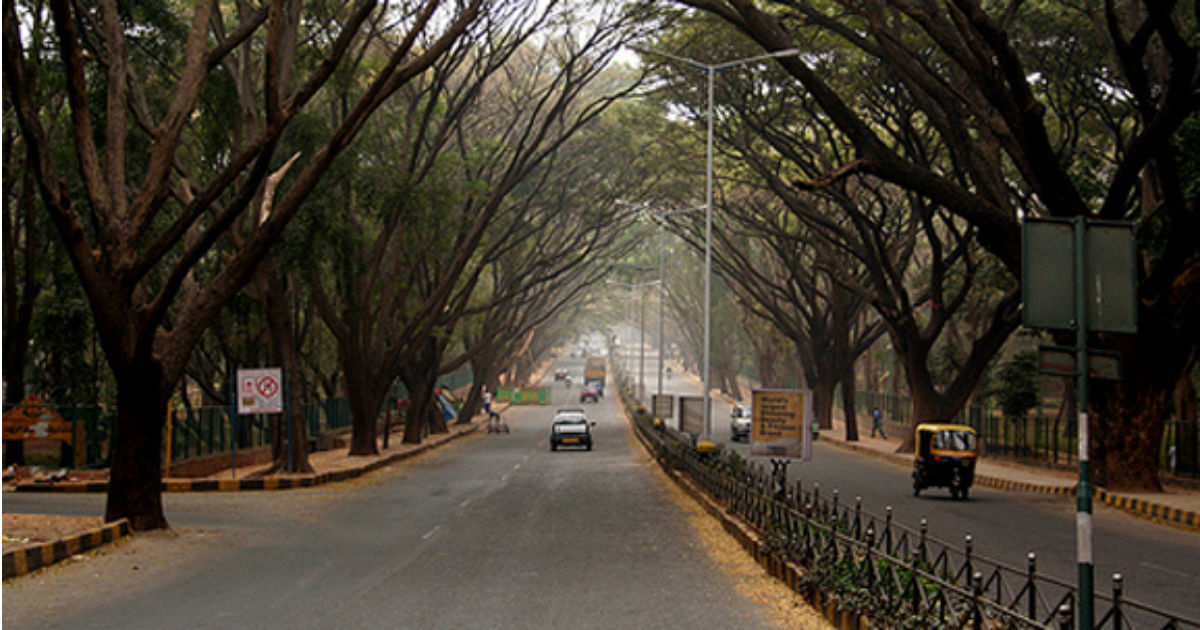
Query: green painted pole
x,y
1083,508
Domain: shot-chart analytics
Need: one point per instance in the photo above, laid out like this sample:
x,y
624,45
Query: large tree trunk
x,y
1128,418
421,391
364,397
824,389
283,341
849,393
134,478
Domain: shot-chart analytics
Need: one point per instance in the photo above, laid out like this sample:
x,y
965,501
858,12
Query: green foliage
x,y
1015,386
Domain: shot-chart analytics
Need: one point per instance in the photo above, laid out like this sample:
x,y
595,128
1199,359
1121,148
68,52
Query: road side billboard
x,y
781,424
664,406
691,414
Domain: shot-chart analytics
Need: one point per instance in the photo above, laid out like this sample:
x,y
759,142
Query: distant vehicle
x,y
739,423
590,391
560,375
594,372
571,427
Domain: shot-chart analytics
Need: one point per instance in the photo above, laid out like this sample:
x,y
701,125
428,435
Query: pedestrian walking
x,y
877,423
487,404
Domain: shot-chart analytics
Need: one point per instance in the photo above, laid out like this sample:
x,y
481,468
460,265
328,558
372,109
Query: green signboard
x,y
1048,275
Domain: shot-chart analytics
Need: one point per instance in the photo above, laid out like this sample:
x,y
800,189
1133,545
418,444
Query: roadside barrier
x,y
871,571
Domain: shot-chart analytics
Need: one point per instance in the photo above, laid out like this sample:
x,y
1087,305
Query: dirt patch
x,y
781,606
21,530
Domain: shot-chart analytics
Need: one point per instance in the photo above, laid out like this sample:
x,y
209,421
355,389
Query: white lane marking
x,y
1160,567
431,532
464,503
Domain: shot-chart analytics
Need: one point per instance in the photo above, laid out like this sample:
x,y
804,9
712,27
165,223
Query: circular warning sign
x,y
267,386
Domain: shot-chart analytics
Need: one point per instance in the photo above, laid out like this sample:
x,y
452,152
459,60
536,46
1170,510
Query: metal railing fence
x,y
900,576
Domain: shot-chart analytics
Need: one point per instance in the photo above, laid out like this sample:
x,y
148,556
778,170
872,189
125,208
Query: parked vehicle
x,y
589,392
571,427
740,423
945,458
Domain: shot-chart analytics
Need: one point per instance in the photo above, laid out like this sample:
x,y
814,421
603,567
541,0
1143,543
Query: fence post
x,y
924,534
1066,617
1032,573
870,559
977,607
969,545
887,532
1118,590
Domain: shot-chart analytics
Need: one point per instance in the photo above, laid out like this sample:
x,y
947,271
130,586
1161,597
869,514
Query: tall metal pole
x,y
708,212
1083,508
711,70
642,347
661,298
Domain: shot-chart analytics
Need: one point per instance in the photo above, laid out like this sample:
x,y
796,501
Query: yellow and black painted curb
x,y
263,483
1183,519
29,559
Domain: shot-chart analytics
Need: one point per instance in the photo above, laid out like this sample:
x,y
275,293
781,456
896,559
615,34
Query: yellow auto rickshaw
x,y
945,458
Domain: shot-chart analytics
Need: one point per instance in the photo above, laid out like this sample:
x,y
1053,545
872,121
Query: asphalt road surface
x,y
493,531
1160,564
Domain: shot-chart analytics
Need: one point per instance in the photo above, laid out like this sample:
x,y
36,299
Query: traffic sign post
x,y
1083,281
260,390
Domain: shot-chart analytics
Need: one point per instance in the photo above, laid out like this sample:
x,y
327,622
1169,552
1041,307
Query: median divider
x,y
28,559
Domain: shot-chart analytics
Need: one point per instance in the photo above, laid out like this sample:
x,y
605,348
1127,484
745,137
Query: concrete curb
x,y
1149,510
263,483
29,559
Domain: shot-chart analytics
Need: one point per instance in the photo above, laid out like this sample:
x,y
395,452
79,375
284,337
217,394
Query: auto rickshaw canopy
x,y
947,438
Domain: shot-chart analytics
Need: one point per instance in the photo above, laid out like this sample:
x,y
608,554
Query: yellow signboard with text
x,y
781,424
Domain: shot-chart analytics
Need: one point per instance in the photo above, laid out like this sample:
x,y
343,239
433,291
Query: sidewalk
x,y
328,466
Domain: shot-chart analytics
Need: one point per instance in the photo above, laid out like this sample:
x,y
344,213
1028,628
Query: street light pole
x,y
662,296
642,350
642,332
708,212
711,71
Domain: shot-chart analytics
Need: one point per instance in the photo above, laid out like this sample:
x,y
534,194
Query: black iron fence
x,y
898,576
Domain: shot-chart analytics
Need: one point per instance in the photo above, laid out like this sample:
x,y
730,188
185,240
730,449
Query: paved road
x,y
1160,564
491,532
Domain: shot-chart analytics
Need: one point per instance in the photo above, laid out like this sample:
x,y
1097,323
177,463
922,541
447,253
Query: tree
x,y
444,175
151,216
1069,110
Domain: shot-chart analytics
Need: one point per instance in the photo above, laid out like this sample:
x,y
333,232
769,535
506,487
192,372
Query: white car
x,y
739,423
